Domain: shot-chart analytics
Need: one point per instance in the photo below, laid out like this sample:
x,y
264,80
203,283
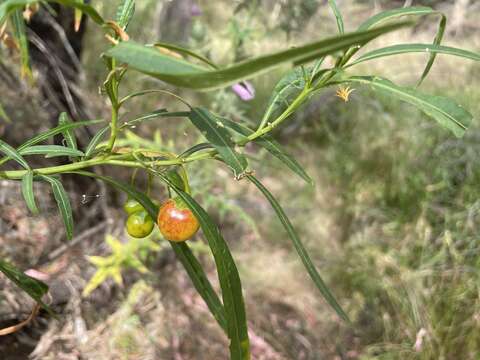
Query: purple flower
x,y
244,90
195,9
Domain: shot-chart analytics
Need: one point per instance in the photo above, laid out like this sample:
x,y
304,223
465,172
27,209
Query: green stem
x,y
18,174
301,98
113,129
126,160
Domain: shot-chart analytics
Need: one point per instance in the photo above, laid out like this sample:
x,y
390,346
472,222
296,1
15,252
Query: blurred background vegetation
x,y
392,222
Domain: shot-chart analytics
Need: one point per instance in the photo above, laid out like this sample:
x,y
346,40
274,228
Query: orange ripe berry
x,y
176,221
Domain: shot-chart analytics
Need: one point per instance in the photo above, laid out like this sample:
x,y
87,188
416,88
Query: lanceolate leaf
x,y
21,35
437,41
125,12
338,15
286,90
50,151
228,277
13,154
416,48
196,148
182,73
33,287
214,132
27,191
52,132
272,146
445,111
55,131
95,141
11,5
392,14
68,135
183,252
409,11
302,252
61,197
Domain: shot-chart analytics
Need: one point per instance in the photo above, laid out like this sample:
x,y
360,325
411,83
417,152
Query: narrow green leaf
x,y
20,33
284,92
153,115
302,252
52,132
213,130
182,73
68,135
61,197
391,14
10,152
33,287
55,131
183,252
338,15
50,151
228,276
272,146
196,148
437,41
409,11
416,48
125,12
92,145
7,7
445,111
27,191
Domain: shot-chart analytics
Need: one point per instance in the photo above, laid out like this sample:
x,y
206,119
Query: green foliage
x,y
302,252
224,138
181,73
68,134
446,112
125,12
33,287
214,132
27,191
51,151
13,154
61,197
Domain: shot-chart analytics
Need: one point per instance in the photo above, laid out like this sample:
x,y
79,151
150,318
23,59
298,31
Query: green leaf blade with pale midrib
x,y
214,131
446,112
51,151
63,202
33,287
181,73
27,192
416,48
302,252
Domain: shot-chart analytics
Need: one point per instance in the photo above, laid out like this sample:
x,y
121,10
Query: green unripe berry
x,y
132,206
139,224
